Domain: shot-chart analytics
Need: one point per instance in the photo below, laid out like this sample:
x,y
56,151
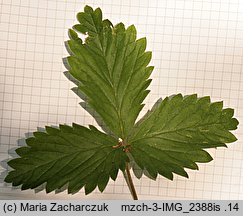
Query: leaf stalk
x,y
128,178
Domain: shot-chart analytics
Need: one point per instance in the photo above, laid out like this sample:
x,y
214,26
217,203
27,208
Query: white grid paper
x,y
197,48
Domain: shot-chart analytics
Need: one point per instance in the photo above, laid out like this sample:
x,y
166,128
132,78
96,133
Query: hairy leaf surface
x,y
174,133
74,156
111,67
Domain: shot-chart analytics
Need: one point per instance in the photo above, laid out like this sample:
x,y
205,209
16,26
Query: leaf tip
x,y
88,9
132,29
72,34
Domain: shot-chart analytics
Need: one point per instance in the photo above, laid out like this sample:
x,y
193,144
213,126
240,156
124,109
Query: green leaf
x,y
74,156
111,69
174,133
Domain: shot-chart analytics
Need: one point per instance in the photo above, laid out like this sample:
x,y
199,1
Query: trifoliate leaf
x,y
174,133
76,156
111,67
110,70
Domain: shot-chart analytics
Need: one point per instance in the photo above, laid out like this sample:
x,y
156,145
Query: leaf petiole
x,y
127,176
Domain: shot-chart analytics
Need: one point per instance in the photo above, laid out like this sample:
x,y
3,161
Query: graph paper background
x,y
197,48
